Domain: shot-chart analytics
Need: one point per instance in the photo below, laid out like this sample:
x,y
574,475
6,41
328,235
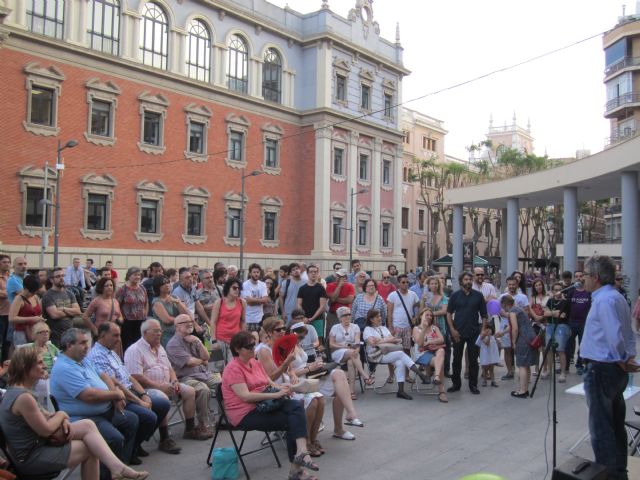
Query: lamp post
x,y
59,168
44,202
255,173
353,194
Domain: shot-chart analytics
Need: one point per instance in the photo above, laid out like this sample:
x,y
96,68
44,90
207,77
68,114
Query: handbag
x,y
536,342
326,369
389,347
224,464
271,404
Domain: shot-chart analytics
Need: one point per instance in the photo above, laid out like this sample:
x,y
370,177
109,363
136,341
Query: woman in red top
x,y
227,314
25,311
243,383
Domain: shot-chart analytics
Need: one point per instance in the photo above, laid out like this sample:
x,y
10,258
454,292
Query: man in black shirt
x,y
466,307
557,312
312,298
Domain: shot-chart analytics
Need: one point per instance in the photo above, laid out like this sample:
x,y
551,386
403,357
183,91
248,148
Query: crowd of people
x,y
94,365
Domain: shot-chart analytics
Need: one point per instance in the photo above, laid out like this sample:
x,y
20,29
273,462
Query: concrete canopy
x,y
595,177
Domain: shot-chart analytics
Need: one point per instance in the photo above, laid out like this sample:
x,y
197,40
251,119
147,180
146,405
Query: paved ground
x,y
423,439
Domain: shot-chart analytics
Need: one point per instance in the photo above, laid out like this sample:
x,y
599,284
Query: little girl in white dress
x,y
489,355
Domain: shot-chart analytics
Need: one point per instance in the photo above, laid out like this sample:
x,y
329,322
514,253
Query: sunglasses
x,y
235,287
249,346
279,329
185,323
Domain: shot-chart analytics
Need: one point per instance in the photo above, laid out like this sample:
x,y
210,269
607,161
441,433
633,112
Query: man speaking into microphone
x,y
608,350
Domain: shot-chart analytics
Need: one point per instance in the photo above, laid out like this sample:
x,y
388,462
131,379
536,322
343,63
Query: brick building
x,y
170,103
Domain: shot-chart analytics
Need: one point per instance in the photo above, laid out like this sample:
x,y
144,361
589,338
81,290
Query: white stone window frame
x,y
271,205
106,92
338,210
158,104
146,190
363,214
232,200
202,115
273,132
238,124
386,216
50,78
195,196
369,154
389,88
99,185
341,67
367,78
387,186
345,152
34,177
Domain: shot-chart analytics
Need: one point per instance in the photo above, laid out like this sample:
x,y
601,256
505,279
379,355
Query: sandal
x,y
390,379
300,461
134,475
354,396
313,451
301,475
442,397
369,381
318,447
354,422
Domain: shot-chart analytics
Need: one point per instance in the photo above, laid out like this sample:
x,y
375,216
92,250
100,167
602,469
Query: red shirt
x,y
236,372
345,291
385,290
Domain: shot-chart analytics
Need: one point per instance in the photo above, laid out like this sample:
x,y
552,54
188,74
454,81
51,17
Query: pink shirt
x,y
229,319
140,359
236,372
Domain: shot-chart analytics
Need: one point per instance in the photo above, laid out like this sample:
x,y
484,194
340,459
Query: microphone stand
x,y
551,346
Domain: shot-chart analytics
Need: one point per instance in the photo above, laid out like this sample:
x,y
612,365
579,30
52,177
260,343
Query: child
x,y
504,338
489,355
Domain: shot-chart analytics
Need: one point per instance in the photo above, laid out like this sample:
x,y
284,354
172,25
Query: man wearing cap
x,y
341,293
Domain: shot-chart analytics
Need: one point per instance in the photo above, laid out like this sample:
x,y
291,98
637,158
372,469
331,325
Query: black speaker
x,y
580,469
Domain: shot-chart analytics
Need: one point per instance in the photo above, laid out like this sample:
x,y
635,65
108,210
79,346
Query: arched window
x,y
199,51
46,17
238,71
154,36
272,76
103,26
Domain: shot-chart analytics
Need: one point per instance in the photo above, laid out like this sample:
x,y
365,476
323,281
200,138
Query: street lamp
x,y
255,173
353,194
59,168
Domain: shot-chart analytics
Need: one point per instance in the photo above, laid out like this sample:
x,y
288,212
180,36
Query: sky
x,y
447,42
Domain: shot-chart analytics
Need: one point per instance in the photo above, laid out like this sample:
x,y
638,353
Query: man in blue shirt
x,y
608,349
81,393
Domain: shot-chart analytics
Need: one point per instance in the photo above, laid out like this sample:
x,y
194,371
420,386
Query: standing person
x,y
537,302
393,275
255,294
166,308
341,294
155,270
60,307
332,277
521,334
609,349
132,297
488,291
419,285
25,311
14,287
228,316
369,299
5,304
400,306
186,291
74,275
312,298
104,308
114,273
289,292
206,295
385,287
468,306
359,283
620,287
270,308
355,269
556,315
579,305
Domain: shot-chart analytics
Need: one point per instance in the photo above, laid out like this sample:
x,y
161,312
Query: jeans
x,y
149,419
458,353
577,330
119,431
290,418
604,384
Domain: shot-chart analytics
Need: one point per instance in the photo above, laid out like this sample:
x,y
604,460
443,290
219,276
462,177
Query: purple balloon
x,y
493,307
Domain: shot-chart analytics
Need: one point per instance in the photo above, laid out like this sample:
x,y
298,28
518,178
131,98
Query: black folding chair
x,y
224,424
343,366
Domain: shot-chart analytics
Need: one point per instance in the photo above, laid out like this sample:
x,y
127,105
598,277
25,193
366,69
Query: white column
x,y
130,36
322,212
570,237
75,22
512,234
255,77
503,248
630,198
220,65
323,74
397,205
376,167
17,13
457,264
178,51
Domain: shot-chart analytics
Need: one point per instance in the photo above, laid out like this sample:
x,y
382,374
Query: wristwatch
x,y
140,395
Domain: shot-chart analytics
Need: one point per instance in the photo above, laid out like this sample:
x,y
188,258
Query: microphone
x,y
573,285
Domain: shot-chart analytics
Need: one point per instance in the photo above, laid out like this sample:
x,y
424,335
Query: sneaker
x,y
169,446
206,430
508,376
562,378
494,383
195,434
484,382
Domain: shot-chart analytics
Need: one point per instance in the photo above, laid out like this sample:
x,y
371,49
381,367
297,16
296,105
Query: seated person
x,y
311,343
147,361
243,384
376,334
430,345
49,352
25,424
81,393
344,340
151,406
333,385
190,360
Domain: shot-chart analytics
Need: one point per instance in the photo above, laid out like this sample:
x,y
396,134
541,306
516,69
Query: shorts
x,y
318,324
562,334
253,327
405,335
425,358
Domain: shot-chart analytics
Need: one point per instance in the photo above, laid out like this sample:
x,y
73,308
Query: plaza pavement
x,y
421,439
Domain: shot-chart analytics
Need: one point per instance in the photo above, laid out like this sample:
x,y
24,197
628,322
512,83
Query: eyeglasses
x,y
185,323
207,278
479,274
249,346
403,282
279,329
41,332
386,278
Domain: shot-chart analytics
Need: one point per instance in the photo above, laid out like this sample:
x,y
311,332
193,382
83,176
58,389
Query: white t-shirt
x,y
378,332
254,290
400,319
342,336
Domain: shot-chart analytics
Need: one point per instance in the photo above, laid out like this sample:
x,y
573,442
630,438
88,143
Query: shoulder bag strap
x,y
405,307
286,291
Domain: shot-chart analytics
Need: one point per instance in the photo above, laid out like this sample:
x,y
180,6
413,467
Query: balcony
x,y
622,64
626,134
625,100
613,209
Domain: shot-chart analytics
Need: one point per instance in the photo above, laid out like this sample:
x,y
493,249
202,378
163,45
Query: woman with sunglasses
x,y
313,402
227,314
243,383
165,308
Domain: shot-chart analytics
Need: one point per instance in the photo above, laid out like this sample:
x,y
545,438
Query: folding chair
x,y
633,432
224,424
343,366
379,389
430,388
